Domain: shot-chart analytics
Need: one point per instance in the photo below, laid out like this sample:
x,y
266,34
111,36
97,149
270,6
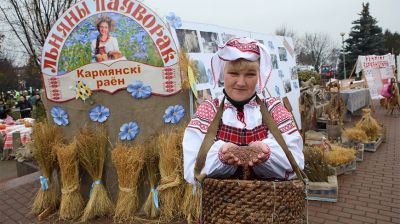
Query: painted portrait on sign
x,y
106,38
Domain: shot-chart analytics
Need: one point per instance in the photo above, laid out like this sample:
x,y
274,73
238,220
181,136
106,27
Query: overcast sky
x,y
265,16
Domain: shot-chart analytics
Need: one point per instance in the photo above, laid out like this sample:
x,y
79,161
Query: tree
x,y
316,49
365,38
392,42
31,20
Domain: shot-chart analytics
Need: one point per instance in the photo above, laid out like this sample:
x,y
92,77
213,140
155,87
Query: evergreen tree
x,y
392,42
365,38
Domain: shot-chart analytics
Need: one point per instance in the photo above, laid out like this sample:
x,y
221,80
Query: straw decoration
x,y
171,184
150,207
315,167
71,205
129,162
340,155
91,148
184,64
356,134
191,203
369,125
45,137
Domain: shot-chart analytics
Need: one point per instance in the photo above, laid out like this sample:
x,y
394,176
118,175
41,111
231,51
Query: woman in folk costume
x,y
246,66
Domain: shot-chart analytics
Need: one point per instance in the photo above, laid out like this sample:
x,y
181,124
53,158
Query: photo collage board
x,y
201,41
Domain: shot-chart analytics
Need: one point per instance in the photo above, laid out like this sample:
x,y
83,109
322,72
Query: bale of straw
x,y
149,207
45,137
356,134
91,148
171,184
340,155
369,125
71,205
191,203
129,162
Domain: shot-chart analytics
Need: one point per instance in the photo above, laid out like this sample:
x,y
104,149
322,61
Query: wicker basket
x,y
252,201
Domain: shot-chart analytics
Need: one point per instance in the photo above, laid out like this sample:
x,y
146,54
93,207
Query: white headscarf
x,y
246,48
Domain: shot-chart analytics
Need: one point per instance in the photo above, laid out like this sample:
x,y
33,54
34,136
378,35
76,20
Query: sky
x,y
265,16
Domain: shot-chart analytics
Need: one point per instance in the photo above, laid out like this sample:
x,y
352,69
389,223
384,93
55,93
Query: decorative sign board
x,y
378,70
135,45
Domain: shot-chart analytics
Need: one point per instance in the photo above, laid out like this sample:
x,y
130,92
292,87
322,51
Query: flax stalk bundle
x,y
356,134
191,203
129,162
369,125
149,206
45,137
91,148
316,167
184,64
71,205
340,155
171,184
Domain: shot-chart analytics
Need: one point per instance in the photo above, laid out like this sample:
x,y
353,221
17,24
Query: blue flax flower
x,y
173,114
60,117
99,113
128,131
174,20
139,90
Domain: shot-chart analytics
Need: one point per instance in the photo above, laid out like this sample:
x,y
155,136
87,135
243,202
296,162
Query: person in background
x,y
24,106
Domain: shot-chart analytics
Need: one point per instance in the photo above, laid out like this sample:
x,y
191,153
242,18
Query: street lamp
x,y
344,58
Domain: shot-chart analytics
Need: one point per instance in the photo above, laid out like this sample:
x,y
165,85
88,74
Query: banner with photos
x,y
377,70
201,41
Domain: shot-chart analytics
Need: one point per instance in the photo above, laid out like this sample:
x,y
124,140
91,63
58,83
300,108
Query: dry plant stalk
x,y
316,167
171,184
369,125
149,207
129,162
191,203
71,205
184,64
45,137
356,134
91,148
340,155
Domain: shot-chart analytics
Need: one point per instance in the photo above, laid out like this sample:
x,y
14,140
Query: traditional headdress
x,y
245,48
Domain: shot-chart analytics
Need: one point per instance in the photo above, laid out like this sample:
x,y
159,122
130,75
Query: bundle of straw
x,y
340,155
369,125
170,165
71,200
315,167
129,162
45,137
184,64
356,134
150,207
191,203
91,148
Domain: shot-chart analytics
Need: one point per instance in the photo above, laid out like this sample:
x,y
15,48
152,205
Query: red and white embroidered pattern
x,y
204,115
244,47
282,117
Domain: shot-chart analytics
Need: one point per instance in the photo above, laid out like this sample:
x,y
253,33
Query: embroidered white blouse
x,y
277,166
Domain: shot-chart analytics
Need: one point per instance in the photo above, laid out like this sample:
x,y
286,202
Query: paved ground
x,y
369,195
8,170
